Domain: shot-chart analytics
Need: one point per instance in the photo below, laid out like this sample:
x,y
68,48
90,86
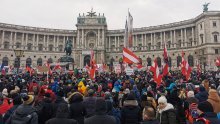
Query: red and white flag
x,y
93,66
48,66
199,70
156,72
130,29
217,62
57,67
129,57
185,68
165,56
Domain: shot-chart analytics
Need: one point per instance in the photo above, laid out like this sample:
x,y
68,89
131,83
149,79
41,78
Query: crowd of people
x,y
110,98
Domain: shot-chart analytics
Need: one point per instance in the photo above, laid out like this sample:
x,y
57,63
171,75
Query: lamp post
x,y
18,53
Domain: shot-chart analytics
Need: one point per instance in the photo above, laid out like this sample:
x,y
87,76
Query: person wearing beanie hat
x,y
130,109
5,92
190,94
165,112
100,116
24,113
214,99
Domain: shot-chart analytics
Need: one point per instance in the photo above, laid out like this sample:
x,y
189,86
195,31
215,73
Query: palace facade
x,y
198,38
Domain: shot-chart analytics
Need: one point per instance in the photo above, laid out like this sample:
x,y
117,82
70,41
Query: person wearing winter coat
x,y
24,113
100,116
130,112
202,95
214,99
77,109
89,103
62,116
165,113
149,116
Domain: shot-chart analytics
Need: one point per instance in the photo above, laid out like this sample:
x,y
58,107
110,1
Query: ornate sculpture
x,y
68,47
205,7
91,13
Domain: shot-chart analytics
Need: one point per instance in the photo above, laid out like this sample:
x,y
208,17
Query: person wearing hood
x,y
24,113
62,116
202,95
214,99
77,109
100,116
89,103
130,112
165,113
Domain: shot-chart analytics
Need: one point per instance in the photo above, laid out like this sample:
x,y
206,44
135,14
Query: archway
x,y
28,62
90,39
39,61
5,61
87,60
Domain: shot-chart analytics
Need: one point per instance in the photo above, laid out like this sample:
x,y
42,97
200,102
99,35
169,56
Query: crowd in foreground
x,y
110,98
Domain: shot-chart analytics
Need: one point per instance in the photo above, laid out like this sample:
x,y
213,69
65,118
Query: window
x,y
178,62
29,46
190,60
215,38
169,61
39,61
159,61
148,61
50,47
18,45
40,47
169,44
216,51
28,62
214,24
201,26
158,45
60,48
6,45
16,63
50,60
149,46
179,44
201,38
5,61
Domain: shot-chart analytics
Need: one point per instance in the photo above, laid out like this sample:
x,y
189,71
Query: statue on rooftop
x,y
205,7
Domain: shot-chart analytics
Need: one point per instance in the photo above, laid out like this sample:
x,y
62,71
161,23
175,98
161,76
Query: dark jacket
x,y
89,103
61,119
130,112
210,116
9,113
150,122
77,109
45,110
202,96
100,119
23,113
58,101
167,115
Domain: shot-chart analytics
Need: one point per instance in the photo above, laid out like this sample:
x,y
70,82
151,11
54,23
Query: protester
x,y
149,116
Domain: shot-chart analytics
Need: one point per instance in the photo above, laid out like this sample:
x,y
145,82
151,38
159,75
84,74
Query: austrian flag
x,y
156,72
129,57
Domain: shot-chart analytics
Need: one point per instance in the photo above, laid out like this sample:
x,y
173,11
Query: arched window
x,y
16,63
51,47
5,61
169,61
29,46
168,44
179,44
6,45
190,60
39,61
179,60
28,62
215,38
159,61
50,60
149,61
60,48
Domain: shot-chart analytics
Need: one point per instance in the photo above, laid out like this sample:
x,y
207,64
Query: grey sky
x,y
62,14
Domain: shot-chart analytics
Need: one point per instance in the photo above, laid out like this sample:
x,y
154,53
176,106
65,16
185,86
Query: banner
x,y
43,68
129,71
117,68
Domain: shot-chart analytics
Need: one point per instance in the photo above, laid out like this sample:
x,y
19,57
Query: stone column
x,y
44,43
78,38
161,39
33,41
154,41
116,46
181,38
174,38
48,41
73,43
3,37
118,42
142,39
171,38
109,41
15,38
99,37
37,42
26,40
83,42
54,44
64,40
22,40
11,41
185,41
103,37
145,40
193,39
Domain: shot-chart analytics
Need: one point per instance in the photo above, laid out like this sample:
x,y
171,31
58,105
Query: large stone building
x,y
198,38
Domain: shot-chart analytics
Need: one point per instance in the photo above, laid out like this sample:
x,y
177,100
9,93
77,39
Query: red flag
x,y
165,56
48,66
217,62
29,69
156,72
93,66
104,66
57,66
129,57
186,69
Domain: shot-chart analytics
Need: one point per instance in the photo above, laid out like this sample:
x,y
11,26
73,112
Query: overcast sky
x,y
62,14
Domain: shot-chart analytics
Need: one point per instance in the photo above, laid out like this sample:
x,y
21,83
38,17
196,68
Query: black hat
x,y
131,96
205,107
